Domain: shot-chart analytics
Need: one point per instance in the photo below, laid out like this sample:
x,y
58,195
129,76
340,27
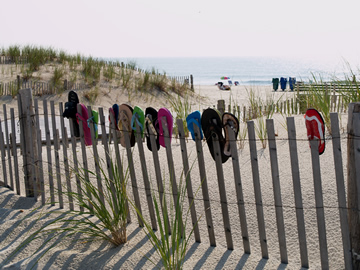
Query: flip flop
x,y
84,117
124,124
95,119
139,118
115,108
228,119
152,124
163,112
191,119
211,123
71,110
315,127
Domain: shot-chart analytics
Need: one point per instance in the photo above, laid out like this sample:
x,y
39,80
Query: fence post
x,y
221,106
29,138
353,180
65,85
192,82
18,82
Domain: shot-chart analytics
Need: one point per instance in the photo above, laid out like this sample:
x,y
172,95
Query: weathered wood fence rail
x,y
336,87
264,218
39,88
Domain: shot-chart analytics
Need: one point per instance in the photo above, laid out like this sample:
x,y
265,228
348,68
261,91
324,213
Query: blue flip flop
x,y
194,118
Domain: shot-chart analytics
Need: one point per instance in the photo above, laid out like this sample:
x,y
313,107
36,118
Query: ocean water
x,y
246,70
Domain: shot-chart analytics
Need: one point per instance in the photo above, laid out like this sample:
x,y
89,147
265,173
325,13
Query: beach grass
x,y
102,215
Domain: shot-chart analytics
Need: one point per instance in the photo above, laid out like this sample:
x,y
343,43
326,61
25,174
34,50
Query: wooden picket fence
x,y
40,149
39,88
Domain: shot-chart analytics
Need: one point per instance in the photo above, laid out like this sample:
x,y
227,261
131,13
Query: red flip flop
x,y
315,126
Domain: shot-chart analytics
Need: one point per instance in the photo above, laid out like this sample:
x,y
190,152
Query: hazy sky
x,y
136,28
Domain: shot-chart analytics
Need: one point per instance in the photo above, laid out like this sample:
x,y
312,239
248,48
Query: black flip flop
x,y
153,124
211,123
71,110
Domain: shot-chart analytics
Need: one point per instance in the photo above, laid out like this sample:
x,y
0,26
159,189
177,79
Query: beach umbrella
x,y
225,78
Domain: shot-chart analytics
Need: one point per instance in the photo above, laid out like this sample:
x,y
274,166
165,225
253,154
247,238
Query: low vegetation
x,y
53,66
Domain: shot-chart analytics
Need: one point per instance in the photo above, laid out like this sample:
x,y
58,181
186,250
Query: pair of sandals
x,y
153,121
71,113
123,115
127,118
211,124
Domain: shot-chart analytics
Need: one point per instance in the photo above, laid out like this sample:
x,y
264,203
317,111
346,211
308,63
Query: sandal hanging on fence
x,y
124,124
211,124
84,116
163,112
71,110
228,119
152,124
139,118
315,127
191,119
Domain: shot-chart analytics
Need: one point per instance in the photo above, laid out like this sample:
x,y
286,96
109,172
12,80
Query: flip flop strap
x,y
150,124
230,125
191,128
136,118
91,119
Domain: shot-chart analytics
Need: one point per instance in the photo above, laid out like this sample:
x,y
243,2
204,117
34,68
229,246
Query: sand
x,y
132,255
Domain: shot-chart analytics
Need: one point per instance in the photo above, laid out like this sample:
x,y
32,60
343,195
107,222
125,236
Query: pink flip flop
x,y
84,117
315,128
163,112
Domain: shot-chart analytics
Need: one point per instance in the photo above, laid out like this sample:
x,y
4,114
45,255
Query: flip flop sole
x,y
228,119
211,123
315,127
163,112
124,124
153,124
191,119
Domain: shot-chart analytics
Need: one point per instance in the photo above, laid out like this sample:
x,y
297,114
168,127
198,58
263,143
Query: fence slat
x,y
30,150
14,148
340,184
39,149
204,186
56,152
3,156
95,155
109,164
171,167
125,133
75,161
190,193
257,189
114,132
239,190
277,190
83,150
297,191
222,191
64,141
145,176
8,147
48,148
158,173
320,215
